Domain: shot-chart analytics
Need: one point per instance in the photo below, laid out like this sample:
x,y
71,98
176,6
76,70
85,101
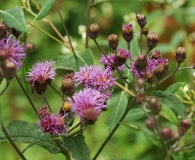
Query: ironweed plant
x,y
136,70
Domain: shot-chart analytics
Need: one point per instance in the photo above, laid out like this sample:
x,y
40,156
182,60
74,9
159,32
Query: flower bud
x,y
90,115
141,20
166,134
156,54
66,107
140,98
113,41
9,69
184,126
152,40
145,31
29,47
121,57
67,85
141,62
127,32
140,82
150,124
180,54
3,56
149,77
93,31
154,105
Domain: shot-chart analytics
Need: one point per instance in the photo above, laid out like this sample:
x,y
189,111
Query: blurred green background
x,y
173,20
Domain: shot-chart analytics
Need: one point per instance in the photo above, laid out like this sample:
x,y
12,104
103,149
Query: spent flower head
x,y
13,50
41,74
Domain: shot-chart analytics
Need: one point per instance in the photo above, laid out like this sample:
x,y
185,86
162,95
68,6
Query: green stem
x,y
114,129
26,94
7,84
12,142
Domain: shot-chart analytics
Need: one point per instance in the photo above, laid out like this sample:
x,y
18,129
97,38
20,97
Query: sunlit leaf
x,y
77,146
174,87
14,18
24,132
45,9
171,101
117,103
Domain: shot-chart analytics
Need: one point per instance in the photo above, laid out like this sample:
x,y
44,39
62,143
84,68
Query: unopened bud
x,y
150,124
166,134
140,98
93,31
160,70
154,105
29,47
156,54
141,20
3,56
113,41
127,31
90,115
145,31
121,57
67,85
140,82
180,54
152,40
149,77
9,70
184,126
141,62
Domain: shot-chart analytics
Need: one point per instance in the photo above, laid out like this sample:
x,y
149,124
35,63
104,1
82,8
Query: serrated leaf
x,y
170,100
14,18
68,62
77,146
24,132
45,9
135,50
117,103
174,87
167,113
134,114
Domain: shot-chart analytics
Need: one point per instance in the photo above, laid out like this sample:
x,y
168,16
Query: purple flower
x,y
53,123
88,104
41,74
124,53
107,63
95,77
14,51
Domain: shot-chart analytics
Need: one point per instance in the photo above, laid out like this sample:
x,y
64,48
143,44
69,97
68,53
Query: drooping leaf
x,y
45,9
68,62
14,18
117,103
170,100
167,113
174,87
78,148
24,132
134,114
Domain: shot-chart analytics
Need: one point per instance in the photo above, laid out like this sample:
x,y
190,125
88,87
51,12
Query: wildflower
x,y
121,56
109,61
141,19
152,40
180,54
94,77
113,41
88,104
41,74
13,50
93,31
127,31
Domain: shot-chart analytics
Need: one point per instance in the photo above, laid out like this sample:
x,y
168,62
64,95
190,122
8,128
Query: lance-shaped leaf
x,y
78,148
170,100
68,62
45,9
14,18
24,132
117,103
174,87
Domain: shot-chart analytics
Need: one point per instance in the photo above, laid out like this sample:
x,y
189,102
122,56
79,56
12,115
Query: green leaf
x,y
165,48
134,114
77,146
45,8
174,87
118,103
135,50
178,37
68,62
0,113
14,18
24,132
167,113
171,101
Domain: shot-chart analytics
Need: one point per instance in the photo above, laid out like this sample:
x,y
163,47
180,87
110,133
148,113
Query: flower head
x,y
13,50
41,74
121,57
127,31
88,104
